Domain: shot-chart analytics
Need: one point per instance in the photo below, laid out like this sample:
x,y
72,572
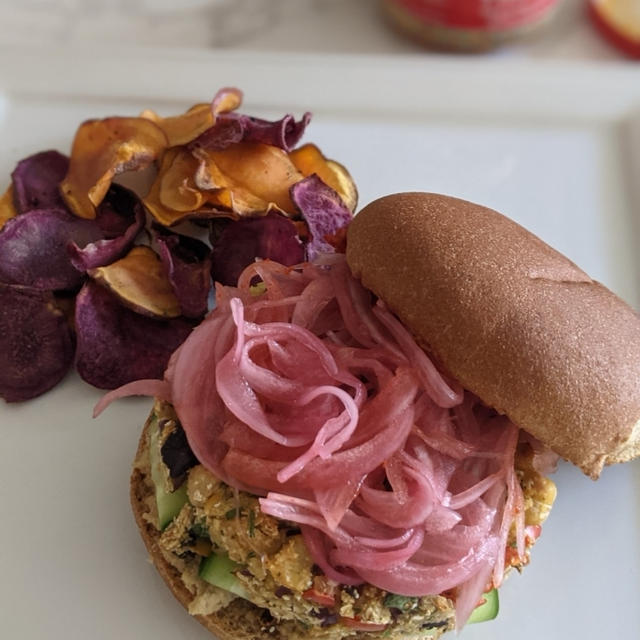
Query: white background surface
x,y
553,145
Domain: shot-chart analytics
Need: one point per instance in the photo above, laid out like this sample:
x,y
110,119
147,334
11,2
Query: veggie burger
x,y
357,446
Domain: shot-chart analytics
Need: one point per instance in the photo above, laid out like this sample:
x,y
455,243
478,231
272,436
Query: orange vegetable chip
x,y
250,169
185,127
188,126
7,208
141,282
174,196
101,150
246,179
308,159
226,193
227,99
178,189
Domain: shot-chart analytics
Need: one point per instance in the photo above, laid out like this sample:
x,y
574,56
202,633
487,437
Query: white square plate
x,y
553,146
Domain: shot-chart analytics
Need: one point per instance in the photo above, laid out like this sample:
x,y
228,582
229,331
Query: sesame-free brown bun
x,y
510,318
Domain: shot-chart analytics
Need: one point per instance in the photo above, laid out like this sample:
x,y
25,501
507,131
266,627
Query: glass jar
x,y
468,25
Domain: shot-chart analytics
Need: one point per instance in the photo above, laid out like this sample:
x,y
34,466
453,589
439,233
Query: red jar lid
x,y
468,23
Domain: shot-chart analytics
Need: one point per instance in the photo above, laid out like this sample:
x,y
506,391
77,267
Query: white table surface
x,y
66,589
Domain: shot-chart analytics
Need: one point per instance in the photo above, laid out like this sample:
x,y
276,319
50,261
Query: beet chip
x,y
273,236
36,181
120,217
231,128
324,212
188,263
33,248
117,345
36,343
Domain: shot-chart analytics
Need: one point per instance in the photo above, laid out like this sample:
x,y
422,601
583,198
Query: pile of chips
x,y
93,273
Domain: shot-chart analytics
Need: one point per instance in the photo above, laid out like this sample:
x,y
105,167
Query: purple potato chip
x,y
224,133
36,181
284,133
33,248
36,343
324,211
231,128
120,218
117,345
242,241
188,264
117,211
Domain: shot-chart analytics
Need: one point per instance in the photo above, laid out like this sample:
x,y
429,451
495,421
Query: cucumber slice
x,y
169,503
404,603
218,570
488,610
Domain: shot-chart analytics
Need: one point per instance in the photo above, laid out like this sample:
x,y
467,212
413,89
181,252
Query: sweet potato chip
x,y
226,99
101,150
190,188
188,264
33,248
176,182
117,345
7,208
140,281
262,170
178,190
344,185
183,128
308,159
201,117
120,218
36,181
36,343
225,193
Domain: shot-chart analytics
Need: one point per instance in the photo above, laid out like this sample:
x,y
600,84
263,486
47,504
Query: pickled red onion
x,y
318,398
